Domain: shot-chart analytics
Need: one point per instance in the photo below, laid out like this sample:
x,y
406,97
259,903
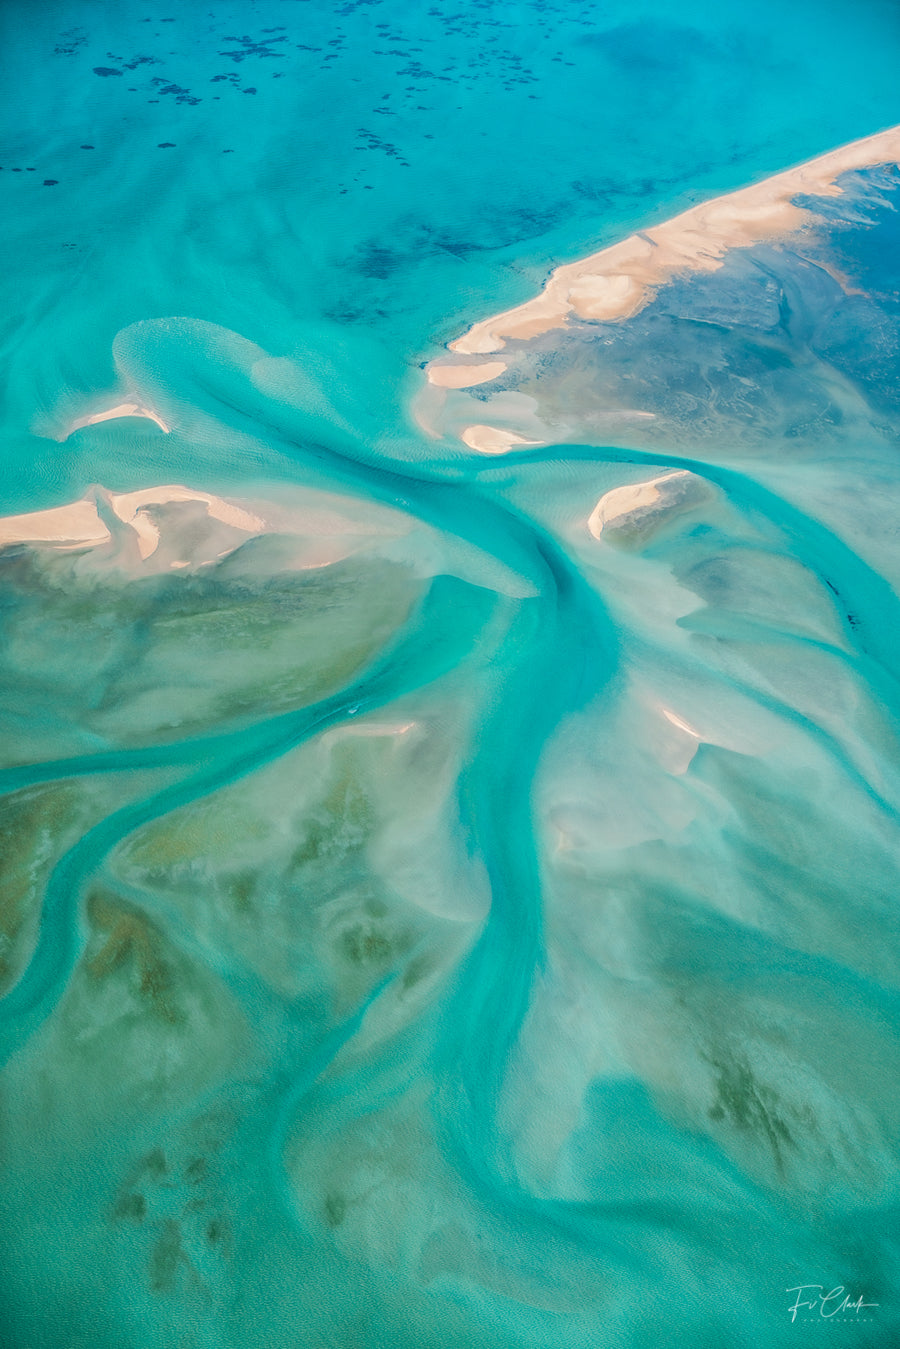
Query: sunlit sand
x,y
623,501
464,376
120,410
619,281
682,725
130,508
493,439
77,523
323,534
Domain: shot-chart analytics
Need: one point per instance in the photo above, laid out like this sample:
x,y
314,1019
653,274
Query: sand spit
x,y
316,531
493,439
682,725
74,525
120,410
80,523
130,507
463,376
621,502
676,752
619,281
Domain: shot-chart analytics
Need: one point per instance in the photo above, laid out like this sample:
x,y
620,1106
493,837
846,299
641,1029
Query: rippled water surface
x,y
445,900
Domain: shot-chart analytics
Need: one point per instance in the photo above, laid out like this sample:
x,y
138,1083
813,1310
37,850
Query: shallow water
x,y
431,918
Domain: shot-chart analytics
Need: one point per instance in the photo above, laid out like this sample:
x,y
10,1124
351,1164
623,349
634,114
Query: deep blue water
x,y
383,964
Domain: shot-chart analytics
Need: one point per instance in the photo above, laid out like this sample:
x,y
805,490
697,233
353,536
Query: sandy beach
x,y
618,281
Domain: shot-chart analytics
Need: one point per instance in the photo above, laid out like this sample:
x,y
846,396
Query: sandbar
x,y
682,725
464,376
120,410
493,439
80,521
323,534
622,501
77,523
129,507
620,280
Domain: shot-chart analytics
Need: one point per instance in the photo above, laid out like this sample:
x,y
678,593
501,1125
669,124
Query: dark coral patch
x,y
106,71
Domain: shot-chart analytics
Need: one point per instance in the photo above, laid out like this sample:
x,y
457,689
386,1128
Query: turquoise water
x,y
383,965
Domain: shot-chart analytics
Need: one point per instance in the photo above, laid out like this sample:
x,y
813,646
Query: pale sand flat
x,y
314,553
76,523
367,729
621,501
129,507
325,536
463,376
676,753
80,522
682,725
494,439
619,281
120,410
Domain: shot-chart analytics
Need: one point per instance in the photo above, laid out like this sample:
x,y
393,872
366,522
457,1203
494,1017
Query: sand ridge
x,y
494,439
80,522
322,530
120,410
620,280
623,501
77,523
463,376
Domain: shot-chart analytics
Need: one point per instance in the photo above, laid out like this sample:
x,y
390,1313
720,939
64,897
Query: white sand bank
x,y
618,281
316,531
639,496
130,508
463,376
77,523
